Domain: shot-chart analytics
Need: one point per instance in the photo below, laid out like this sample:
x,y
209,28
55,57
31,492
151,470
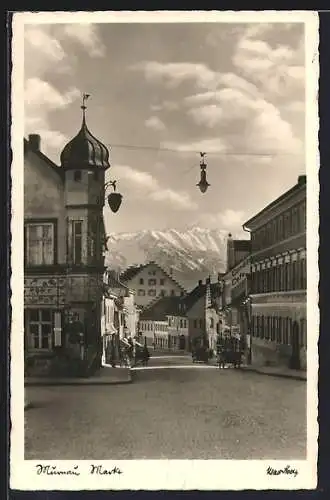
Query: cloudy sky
x,y
160,94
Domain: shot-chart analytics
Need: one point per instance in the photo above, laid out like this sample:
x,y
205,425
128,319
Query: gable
x,y
43,188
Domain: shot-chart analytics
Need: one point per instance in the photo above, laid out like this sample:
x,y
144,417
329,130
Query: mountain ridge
x,y
188,254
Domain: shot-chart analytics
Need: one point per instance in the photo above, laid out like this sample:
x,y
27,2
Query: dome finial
x,y
83,106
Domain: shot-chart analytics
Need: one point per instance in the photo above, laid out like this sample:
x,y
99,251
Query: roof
x,y
44,158
200,291
301,184
84,150
163,307
133,271
242,245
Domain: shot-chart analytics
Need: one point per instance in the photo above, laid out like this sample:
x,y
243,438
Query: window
x,y
278,326
77,242
287,224
295,221
77,175
141,292
302,217
172,293
200,323
162,282
273,329
39,243
152,293
39,328
141,281
151,282
181,323
96,175
211,323
163,293
280,227
195,323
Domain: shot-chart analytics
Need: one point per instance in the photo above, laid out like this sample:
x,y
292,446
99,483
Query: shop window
x,y
39,325
39,243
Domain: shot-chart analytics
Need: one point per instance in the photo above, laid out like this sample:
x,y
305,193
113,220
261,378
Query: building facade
x,y
150,281
164,324
64,255
203,306
279,280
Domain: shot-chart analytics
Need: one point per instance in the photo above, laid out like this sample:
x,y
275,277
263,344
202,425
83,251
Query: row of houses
x,y
71,306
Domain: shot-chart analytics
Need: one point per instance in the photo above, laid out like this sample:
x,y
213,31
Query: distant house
x,y
119,313
164,323
203,312
149,282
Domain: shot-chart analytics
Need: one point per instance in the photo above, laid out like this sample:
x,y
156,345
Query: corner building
x,y
64,254
278,288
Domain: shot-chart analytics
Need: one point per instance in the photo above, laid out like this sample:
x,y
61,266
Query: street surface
x,y
174,410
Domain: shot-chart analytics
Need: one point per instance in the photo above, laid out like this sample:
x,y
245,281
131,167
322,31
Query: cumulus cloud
x,y
229,219
279,70
87,35
253,124
211,145
155,123
174,74
149,187
209,115
46,51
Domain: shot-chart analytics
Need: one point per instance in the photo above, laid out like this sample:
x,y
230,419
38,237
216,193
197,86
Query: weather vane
x,y
83,106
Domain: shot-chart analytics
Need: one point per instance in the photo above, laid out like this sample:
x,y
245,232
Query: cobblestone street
x,y
172,410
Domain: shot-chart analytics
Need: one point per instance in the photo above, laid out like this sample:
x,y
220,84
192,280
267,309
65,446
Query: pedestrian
x,y
145,355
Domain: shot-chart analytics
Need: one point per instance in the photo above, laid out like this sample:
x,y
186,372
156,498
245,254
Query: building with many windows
x,y
164,324
119,316
203,306
64,255
278,280
149,282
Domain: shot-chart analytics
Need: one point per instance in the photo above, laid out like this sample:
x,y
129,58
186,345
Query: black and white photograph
x,y
164,250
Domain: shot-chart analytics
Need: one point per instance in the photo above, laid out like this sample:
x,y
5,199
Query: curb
x,y
270,374
55,383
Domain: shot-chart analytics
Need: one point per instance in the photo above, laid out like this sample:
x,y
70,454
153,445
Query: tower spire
x,y
84,107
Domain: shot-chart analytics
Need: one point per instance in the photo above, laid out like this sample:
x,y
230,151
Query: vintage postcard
x,y
164,250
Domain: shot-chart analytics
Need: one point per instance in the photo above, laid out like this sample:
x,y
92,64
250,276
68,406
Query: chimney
x,y
302,179
34,142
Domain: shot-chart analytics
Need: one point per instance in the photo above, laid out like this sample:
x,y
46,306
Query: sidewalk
x,y
276,371
106,376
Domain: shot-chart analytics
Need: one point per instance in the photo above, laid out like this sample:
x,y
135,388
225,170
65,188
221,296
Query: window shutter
x,y
57,329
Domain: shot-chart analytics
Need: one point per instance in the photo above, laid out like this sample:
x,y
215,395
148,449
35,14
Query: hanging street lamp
x,y
114,198
203,184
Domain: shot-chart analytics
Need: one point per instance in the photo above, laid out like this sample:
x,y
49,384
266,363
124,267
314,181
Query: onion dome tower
x,y
84,161
84,150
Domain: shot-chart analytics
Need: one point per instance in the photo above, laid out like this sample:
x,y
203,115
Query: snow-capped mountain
x,y
190,254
